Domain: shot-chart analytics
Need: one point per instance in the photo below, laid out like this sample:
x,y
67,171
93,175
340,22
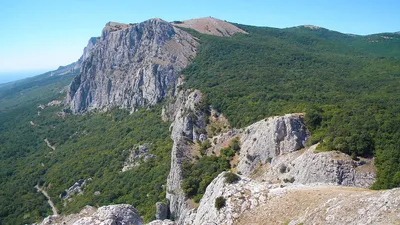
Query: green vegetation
x,y
220,202
197,176
231,177
87,146
349,86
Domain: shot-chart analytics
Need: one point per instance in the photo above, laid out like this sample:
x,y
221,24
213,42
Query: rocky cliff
x,y
186,129
131,65
269,138
309,166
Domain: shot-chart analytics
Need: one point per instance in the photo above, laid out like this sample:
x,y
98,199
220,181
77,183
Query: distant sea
x,y
6,77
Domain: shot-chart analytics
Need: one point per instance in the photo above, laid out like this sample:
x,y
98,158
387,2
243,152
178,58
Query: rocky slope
x,y
309,166
186,128
131,66
211,26
106,215
325,205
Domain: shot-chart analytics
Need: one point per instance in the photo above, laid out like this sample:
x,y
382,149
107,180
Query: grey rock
x,y
87,51
270,138
188,121
137,155
76,188
111,215
161,211
161,222
131,66
241,196
307,167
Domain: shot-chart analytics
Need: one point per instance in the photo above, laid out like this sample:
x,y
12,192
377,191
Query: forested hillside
x,y
348,85
90,146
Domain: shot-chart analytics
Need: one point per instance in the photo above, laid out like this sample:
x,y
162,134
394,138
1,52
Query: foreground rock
x,y
106,215
326,205
240,196
130,66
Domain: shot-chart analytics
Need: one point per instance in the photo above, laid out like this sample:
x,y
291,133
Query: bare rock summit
x,y
211,26
130,66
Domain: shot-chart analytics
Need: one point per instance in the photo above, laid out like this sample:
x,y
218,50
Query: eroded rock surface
x,y
131,66
310,204
240,196
186,129
309,166
136,156
113,214
269,138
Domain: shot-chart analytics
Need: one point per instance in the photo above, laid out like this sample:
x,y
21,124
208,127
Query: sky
x,y
40,35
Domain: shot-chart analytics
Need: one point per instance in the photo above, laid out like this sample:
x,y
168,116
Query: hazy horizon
x,y
6,77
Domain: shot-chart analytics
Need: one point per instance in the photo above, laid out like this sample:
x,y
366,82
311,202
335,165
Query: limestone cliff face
x,y
269,138
309,166
87,51
186,128
131,66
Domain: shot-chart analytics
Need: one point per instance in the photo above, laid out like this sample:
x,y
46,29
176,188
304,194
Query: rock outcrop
x,y
211,26
240,196
308,167
113,214
266,139
187,127
130,66
75,189
106,215
136,156
161,211
87,51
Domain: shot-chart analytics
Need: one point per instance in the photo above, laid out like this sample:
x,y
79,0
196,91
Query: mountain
x,y
159,112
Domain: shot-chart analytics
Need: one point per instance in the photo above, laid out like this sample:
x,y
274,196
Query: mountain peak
x,y
312,27
211,26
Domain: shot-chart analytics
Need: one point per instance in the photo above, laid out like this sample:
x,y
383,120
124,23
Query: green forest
x,y
348,86
87,146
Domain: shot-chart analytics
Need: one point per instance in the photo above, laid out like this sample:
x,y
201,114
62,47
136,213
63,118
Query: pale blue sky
x,y
40,35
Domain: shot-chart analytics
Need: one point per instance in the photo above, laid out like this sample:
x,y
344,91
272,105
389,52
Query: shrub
x,y
220,202
231,178
282,169
227,152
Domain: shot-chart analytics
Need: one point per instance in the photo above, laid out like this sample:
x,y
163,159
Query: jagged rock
x,y
269,138
131,66
332,167
188,122
240,196
161,211
161,222
87,51
76,188
138,154
111,215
